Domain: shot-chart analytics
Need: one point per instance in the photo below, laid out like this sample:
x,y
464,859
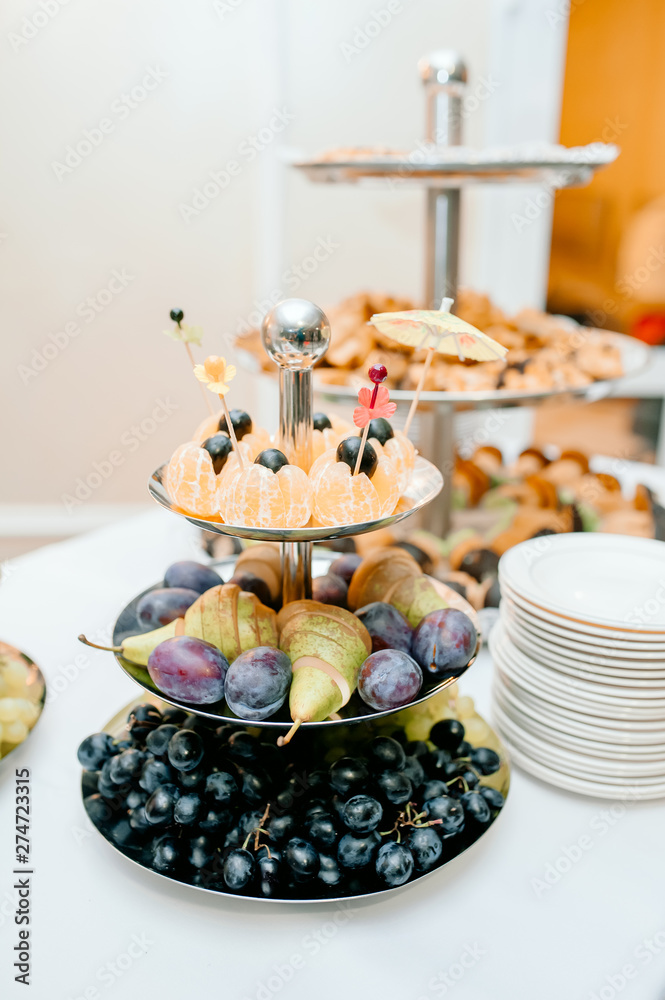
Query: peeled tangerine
x,y
256,438
342,498
190,481
328,437
327,647
401,452
257,496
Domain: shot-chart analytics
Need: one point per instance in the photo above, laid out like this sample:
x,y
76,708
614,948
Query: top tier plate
x,y
635,357
457,166
425,483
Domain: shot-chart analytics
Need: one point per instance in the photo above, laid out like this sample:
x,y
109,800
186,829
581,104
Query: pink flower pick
x,y
373,403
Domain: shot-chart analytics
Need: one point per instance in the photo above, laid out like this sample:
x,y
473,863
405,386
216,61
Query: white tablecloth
x,y
527,913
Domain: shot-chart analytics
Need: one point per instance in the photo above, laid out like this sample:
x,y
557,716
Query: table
x,y
530,911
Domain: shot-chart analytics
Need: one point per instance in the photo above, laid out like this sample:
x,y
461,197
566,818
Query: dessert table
x,y
562,898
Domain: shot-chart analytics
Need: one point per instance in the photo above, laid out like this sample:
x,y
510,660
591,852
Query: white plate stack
x,y
579,656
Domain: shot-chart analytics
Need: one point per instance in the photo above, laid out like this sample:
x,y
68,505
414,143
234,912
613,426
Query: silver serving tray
x,y
425,483
117,725
35,676
354,712
459,166
635,356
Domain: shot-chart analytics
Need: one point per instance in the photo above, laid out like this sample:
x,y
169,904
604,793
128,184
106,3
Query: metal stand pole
x,y
441,452
296,333
444,77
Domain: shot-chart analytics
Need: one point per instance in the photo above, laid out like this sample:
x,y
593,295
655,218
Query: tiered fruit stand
x,y
295,334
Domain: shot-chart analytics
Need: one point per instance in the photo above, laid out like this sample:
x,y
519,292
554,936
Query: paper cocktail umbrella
x,y
437,331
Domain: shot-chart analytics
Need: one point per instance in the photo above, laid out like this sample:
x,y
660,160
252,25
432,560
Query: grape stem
x,y
107,649
256,833
459,778
405,819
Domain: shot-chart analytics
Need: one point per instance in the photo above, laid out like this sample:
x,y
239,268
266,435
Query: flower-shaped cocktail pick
x,y
438,331
215,374
373,403
187,335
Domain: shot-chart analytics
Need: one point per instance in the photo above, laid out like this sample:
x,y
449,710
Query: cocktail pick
x,y
439,332
187,335
373,403
215,374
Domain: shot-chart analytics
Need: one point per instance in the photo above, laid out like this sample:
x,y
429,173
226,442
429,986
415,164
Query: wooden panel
x,y
614,91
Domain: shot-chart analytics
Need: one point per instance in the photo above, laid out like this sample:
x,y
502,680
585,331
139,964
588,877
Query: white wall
x,y
219,71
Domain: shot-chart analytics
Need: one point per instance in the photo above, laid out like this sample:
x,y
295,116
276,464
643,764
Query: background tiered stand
x,y
442,168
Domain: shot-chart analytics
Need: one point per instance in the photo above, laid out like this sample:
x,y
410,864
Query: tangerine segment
x,y
254,498
386,483
297,496
172,464
402,452
322,441
340,498
207,427
230,473
340,427
320,467
191,481
256,441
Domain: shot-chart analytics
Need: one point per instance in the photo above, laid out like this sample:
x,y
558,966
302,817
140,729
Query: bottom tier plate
x,y
453,847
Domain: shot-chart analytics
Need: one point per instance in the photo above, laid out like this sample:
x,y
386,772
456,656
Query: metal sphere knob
x,y
444,68
296,333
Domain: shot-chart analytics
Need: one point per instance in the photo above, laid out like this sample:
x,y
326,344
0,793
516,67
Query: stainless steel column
x,y
444,77
296,333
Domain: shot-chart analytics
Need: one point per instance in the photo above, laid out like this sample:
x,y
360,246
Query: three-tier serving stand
x,y
295,334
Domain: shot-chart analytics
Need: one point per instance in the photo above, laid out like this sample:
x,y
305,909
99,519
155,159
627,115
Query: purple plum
x,y
388,679
443,643
253,584
192,575
258,682
387,626
164,605
330,589
188,669
345,566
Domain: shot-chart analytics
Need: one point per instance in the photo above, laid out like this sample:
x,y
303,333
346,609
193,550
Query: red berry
x,y
378,373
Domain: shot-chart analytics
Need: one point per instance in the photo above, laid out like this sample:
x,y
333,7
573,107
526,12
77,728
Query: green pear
x,y
314,695
327,652
231,619
137,648
350,640
415,597
309,643
213,617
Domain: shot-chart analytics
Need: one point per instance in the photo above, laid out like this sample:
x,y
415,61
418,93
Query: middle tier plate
x,y
425,483
355,711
